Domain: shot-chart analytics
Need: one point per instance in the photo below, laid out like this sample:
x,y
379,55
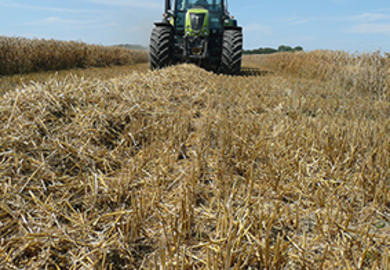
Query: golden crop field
x,y
21,55
284,167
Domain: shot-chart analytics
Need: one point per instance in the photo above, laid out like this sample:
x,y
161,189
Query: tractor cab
x,y
207,4
196,11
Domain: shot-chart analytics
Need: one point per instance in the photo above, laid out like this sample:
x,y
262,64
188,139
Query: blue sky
x,y
350,25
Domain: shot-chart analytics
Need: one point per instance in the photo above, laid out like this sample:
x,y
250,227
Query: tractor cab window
x,y
212,5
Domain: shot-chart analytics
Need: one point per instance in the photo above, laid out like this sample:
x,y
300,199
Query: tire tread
x,y
160,47
231,57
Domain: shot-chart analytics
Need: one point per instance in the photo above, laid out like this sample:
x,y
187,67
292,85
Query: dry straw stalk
x,y
182,168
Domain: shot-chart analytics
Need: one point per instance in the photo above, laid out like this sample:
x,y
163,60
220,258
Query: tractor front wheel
x,y
231,52
160,47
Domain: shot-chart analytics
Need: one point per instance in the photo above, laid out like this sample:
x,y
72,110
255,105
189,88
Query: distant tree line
x,y
282,48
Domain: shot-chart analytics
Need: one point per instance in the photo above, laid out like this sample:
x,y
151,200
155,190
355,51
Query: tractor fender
x,y
163,23
230,27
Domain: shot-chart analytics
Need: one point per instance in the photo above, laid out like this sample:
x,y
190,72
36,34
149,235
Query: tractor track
x,y
18,81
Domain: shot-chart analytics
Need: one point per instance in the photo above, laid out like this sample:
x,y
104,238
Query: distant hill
x,y
132,47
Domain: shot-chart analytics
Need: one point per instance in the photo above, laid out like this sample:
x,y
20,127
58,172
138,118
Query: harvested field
x,y
19,81
182,168
21,55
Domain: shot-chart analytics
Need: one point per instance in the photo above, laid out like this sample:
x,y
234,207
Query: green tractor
x,y
200,32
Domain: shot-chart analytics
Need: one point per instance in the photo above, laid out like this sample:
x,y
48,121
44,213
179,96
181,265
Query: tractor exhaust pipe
x,y
167,6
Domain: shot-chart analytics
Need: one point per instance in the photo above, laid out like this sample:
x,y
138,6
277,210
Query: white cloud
x,y
371,28
254,27
382,9
128,3
369,17
14,4
59,20
297,21
370,23
339,2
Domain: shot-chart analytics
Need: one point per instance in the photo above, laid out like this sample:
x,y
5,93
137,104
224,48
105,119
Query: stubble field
x,y
286,166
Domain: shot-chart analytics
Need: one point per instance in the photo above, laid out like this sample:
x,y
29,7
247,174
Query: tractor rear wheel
x,y
231,52
160,47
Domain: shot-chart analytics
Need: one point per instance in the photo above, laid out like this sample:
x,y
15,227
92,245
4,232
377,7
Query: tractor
x,y
197,31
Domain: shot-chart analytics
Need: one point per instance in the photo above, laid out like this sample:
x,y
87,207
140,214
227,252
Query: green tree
x,y
284,48
298,49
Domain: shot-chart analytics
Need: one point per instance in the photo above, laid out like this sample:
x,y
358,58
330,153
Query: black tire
x,y
231,52
160,49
